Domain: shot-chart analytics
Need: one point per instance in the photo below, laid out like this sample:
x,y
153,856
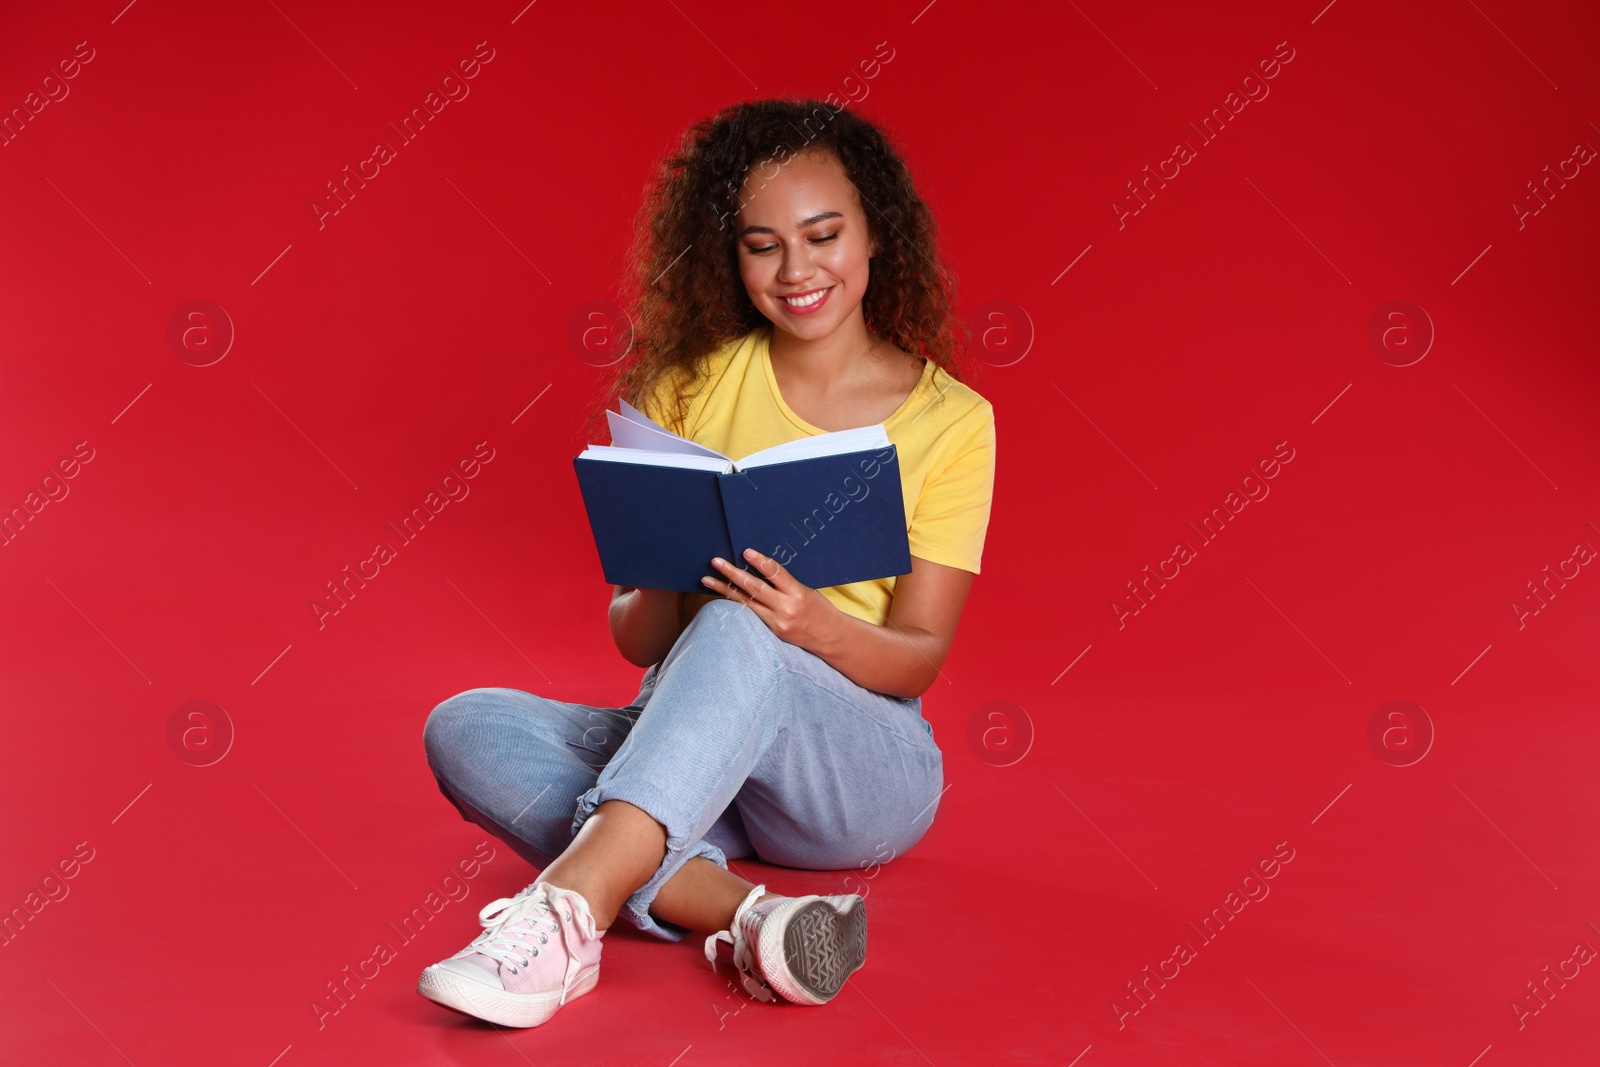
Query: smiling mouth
x,y
808,300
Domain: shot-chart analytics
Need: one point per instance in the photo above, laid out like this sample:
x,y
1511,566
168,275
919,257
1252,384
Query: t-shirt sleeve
x,y
952,513
658,402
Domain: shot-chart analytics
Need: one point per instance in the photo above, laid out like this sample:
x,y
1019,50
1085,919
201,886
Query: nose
x,y
797,265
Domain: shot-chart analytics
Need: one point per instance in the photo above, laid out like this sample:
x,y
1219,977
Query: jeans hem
x,y
649,800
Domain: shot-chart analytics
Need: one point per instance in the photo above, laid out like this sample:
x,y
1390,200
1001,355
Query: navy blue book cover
x,y
825,518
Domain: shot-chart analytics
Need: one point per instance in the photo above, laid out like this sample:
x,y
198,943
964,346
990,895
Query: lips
x,y
816,298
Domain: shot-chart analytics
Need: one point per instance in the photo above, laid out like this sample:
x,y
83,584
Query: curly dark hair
x,y
684,293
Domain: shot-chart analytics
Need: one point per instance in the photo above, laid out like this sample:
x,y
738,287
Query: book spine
x,y
738,509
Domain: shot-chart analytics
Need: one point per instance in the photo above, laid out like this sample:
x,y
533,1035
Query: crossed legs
x,y
616,851
827,774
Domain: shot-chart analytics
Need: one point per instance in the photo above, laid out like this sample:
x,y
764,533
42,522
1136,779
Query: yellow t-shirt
x,y
943,436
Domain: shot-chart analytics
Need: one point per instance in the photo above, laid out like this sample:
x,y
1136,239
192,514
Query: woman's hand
x,y
795,612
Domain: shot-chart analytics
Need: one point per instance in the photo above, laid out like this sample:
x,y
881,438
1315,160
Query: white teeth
x,y
807,301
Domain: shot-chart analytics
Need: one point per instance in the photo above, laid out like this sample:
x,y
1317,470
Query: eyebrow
x,y
822,216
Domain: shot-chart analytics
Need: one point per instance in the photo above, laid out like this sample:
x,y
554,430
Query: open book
x,y
827,507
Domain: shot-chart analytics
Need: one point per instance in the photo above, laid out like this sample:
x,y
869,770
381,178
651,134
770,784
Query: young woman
x,y
785,288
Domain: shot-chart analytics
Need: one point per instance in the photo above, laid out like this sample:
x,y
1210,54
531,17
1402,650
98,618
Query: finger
x,y
770,569
738,583
740,595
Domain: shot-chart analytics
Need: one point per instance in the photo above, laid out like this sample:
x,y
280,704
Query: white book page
x,y
633,414
647,435
683,460
860,439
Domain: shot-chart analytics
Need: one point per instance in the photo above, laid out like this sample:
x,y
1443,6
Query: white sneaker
x,y
801,947
538,950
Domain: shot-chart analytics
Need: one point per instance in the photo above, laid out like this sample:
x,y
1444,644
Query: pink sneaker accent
x,y
802,948
538,950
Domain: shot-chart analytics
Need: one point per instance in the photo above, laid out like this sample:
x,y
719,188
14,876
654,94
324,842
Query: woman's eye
x,y
818,240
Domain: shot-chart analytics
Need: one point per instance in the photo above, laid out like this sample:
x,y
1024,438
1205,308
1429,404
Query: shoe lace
x,y
744,956
510,924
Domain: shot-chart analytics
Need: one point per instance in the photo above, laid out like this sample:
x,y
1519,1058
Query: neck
x,y
820,363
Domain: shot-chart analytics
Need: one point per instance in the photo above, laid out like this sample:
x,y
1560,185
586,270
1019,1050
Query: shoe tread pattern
x,y
823,946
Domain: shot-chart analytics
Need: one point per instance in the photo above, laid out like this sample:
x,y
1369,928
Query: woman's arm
x,y
903,657
645,623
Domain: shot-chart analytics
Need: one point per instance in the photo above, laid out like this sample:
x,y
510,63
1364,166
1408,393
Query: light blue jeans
x,y
739,743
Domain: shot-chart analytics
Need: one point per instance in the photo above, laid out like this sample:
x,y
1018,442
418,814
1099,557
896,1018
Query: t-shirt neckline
x,y
765,355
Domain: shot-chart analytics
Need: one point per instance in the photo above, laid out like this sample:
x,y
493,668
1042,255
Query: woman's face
x,y
801,233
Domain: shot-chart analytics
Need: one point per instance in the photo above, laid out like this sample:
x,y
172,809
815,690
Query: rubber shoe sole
x,y
480,1001
819,946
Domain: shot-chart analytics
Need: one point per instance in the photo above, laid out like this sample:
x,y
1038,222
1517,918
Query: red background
x,y
1178,751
